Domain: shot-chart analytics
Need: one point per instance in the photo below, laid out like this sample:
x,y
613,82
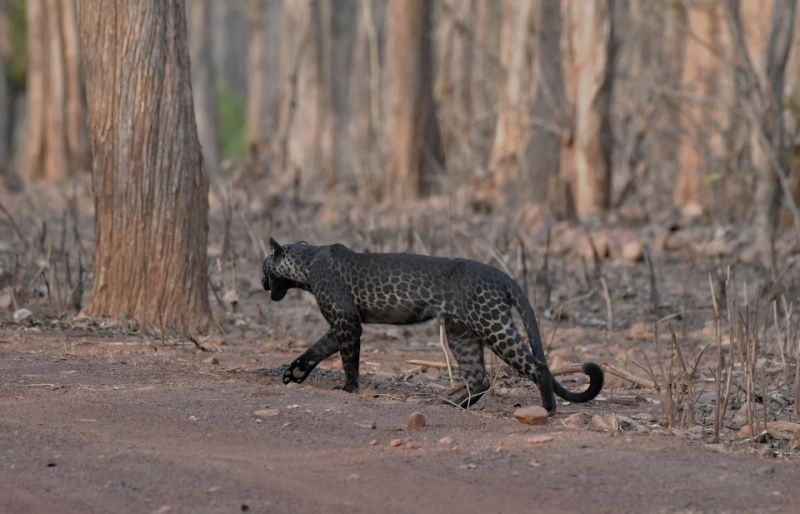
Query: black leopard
x,y
474,301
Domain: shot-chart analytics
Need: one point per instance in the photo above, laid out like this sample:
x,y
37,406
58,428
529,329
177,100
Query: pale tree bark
x,y
306,117
454,84
763,105
344,22
485,67
704,51
513,119
588,73
257,78
365,112
412,129
56,144
5,120
231,36
548,115
792,112
151,192
204,84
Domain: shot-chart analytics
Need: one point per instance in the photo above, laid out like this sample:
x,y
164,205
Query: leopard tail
x,y
595,373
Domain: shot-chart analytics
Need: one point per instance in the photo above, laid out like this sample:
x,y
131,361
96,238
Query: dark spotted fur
x,y
475,302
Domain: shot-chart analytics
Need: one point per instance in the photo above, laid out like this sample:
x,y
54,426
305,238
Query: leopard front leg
x,y
348,334
302,366
337,306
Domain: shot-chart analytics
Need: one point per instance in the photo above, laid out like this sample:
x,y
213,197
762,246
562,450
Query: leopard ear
x,y
277,250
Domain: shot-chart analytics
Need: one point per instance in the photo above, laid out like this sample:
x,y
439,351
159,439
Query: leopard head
x,y
285,267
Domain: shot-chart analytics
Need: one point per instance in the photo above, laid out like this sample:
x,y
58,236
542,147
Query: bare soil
x,y
100,422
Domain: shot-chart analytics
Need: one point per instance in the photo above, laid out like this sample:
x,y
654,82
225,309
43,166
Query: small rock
x,y
607,423
266,413
534,463
231,296
211,360
575,420
163,510
415,421
540,439
214,489
534,415
353,476
765,470
632,251
373,442
22,314
446,440
557,362
394,443
6,299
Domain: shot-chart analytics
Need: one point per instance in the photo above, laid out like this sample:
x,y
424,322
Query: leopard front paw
x,y
296,372
350,387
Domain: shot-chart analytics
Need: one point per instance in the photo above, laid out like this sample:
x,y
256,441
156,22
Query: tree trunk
x,y
297,40
453,87
548,116
702,68
265,18
343,18
151,192
56,144
5,119
365,117
412,129
513,119
204,85
792,114
763,106
588,72
229,27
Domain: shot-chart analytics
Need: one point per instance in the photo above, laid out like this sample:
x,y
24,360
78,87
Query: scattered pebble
x,y
266,413
765,470
415,421
353,476
231,296
214,489
211,360
446,440
534,463
163,510
394,443
373,442
540,439
534,415
22,314
575,420
6,299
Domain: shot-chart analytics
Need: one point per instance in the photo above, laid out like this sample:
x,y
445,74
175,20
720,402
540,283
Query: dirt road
x,y
90,433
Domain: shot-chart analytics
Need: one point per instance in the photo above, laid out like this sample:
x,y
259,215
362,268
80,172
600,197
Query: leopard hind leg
x,y
502,337
467,349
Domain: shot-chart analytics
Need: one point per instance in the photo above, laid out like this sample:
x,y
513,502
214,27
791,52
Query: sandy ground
x,y
111,425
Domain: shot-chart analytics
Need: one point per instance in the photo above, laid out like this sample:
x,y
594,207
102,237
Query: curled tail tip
x,y
596,377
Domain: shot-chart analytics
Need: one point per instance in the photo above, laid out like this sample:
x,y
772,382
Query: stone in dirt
x,y
540,439
575,420
446,440
777,429
266,413
534,415
6,299
22,314
394,443
415,421
211,360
